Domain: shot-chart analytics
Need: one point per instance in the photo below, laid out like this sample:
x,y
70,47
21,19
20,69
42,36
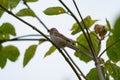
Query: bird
x,y
62,41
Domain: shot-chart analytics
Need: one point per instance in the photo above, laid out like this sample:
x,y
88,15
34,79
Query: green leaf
x,y
11,52
3,59
4,37
108,25
116,29
4,3
8,52
7,28
13,3
113,52
1,12
83,45
42,40
9,3
93,74
50,51
116,72
25,12
54,11
88,22
31,0
29,54
113,70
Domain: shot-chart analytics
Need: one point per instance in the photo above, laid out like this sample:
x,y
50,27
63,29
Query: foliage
x,y
25,12
81,40
50,51
54,11
9,52
30,52
88,22
86,39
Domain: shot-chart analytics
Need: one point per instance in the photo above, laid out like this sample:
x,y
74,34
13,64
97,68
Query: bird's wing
x,y
62,36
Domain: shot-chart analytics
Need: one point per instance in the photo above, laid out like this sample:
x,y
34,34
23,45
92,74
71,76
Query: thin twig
x,y
2,41
26,39
25,3
87,36
91,46
89,39
73,15
75,65
34,28
30,35
109,47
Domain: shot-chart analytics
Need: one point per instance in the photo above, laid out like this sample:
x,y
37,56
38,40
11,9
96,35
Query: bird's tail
x,y
78,50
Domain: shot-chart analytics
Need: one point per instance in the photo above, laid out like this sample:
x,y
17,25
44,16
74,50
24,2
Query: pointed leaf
x,y
42,40
85,47
88,22
7,28
54,11
113,52
30,52
13,3
25,12
31,0
108,25
93,75
116,29
50,51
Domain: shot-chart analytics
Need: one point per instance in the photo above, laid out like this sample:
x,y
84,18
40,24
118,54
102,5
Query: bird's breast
x,y
58,41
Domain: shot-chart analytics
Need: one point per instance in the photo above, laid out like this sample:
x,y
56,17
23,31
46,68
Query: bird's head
x,y
53,30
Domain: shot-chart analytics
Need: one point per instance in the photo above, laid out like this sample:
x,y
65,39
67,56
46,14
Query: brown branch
x,y
25,3
87,36
34,28
75,65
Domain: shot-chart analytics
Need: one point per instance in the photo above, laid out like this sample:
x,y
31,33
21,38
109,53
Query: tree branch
x,y
87,36
91,45
89,39
34,28
25,3
73,15
75,65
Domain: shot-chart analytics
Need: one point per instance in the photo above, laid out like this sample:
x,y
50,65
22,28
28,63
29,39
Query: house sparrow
x,y
61,41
